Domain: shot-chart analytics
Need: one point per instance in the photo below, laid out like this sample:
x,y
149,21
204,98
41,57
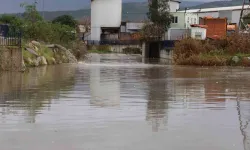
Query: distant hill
x,y
136,11
218,4
190,3
133,11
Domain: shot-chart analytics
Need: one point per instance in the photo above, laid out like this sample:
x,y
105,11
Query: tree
x,y
159,13
160,17
151,31
85,21
32,19
66,20
11,20
31,14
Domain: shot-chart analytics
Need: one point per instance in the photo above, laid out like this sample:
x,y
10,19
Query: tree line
x,y
33,26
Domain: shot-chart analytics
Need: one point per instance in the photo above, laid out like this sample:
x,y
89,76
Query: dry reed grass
x,y
213,52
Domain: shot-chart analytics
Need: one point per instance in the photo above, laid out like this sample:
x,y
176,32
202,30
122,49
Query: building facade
x,y
184,20
231,13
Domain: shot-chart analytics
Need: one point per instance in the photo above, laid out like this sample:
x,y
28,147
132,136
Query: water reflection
x,y
104,85
159,96
25,95
118,102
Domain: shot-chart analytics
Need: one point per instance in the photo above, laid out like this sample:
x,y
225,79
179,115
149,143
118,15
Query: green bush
x,y
99,49
48,32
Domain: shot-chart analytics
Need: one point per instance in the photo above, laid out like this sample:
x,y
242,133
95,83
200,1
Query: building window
x,y
175,19
188,20
195,21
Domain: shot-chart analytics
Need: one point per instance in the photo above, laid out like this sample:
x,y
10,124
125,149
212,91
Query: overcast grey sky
x,y
13,6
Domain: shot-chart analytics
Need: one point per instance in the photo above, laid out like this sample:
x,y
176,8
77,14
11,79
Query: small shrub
x,y
99,49
103,48
47,53
131,50
212,52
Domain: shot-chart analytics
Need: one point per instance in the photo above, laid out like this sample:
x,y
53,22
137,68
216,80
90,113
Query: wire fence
x,y
10,36
114,42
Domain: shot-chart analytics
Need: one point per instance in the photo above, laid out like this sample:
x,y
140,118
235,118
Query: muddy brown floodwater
x,y
119,102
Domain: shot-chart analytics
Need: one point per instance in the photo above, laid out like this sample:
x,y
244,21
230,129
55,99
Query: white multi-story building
x,y
232,13
184,20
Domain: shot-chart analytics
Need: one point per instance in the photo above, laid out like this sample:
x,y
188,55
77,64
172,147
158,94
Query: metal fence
x,y
10,36
114,42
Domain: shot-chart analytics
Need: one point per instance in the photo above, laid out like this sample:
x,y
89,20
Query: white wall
x,y
191,18
236,16
134,26
212,14
177,33
181,20
198,31
185,19
174,6
226,14
105,13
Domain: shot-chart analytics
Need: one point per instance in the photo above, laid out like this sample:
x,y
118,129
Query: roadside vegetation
x,y
63,31
159,20
34,27
132,50
100,49
233,50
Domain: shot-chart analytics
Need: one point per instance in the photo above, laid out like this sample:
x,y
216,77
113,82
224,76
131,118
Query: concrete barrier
x,y
11,59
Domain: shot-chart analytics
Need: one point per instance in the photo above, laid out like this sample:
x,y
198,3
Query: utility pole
x,y
241,13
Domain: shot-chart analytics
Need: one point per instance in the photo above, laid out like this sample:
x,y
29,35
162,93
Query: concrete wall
x,y
145,50
163,54
119,48
177,33
198,33
104,13
166,54
11,59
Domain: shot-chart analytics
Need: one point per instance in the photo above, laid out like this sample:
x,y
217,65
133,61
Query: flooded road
x,y
121,102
